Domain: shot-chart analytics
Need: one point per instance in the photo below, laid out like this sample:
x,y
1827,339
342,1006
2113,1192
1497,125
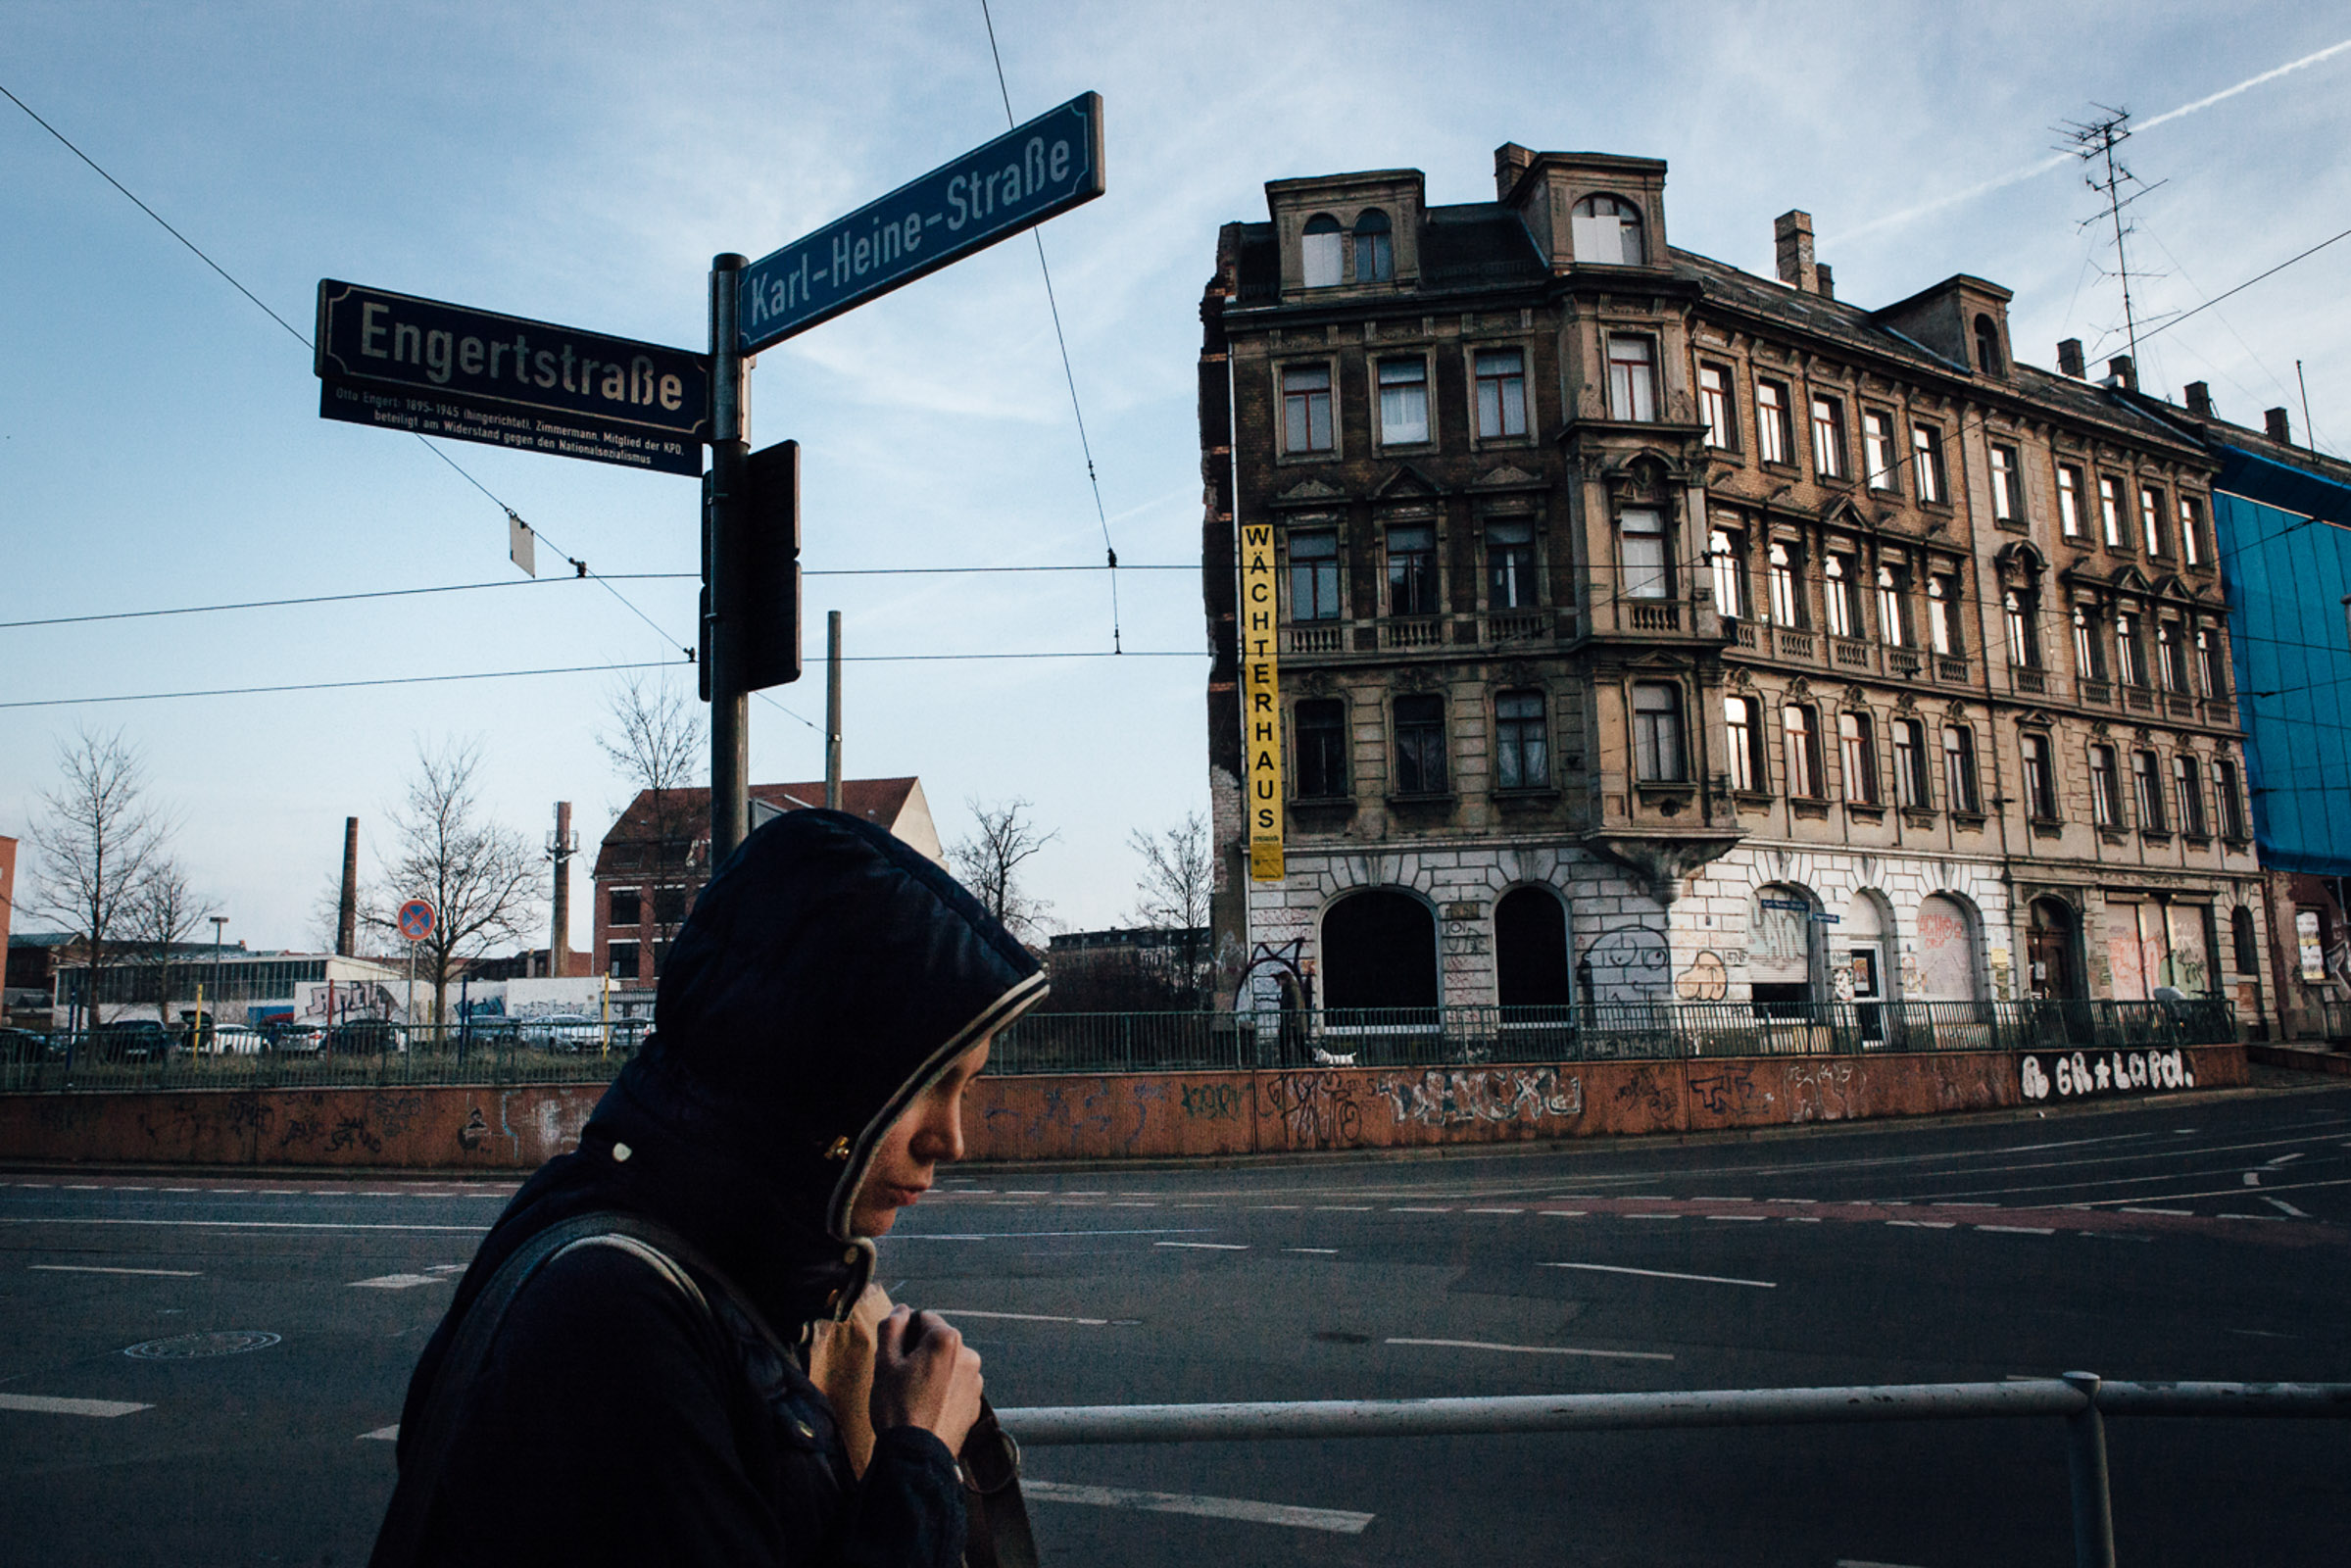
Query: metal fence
x,y
2083,1398
364,1053
1125,1042
522,1051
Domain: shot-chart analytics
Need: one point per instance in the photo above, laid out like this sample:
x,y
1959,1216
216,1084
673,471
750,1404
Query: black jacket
x,y
827,975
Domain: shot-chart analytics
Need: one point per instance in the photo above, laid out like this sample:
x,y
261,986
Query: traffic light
x,y
761,575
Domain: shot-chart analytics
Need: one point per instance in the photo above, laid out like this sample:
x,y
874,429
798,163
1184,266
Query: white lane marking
x,y
1405,1208
1343,1208
281,1191
2021,1230
84,1187
2285,1207
1018,1317
399,1282
2176,1213
232,1224
1031,1236
1804,1219
1208,1247
1132,1203
1754,1219
1279,1206
1863,1562
1027,1191
1647,1215
1335,1520
2253,1178
1957,1204
1926,1224
42,1405
150,1189
1704,1200
2276,1218
184,1189
1539,1349
1319,1251
1792,1199
390,1434
1565,1213
1493,1211
1665,1274
93,1268
1088,1191
2286,1159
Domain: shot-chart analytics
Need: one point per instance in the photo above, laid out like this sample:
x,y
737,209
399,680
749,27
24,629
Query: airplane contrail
x,y
2043,166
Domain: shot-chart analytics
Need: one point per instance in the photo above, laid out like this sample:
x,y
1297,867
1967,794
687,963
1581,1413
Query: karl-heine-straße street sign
x,y
443,370
1024,176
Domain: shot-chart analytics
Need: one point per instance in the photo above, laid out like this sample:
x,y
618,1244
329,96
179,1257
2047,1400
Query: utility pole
x,y
561,846
723,563
832,710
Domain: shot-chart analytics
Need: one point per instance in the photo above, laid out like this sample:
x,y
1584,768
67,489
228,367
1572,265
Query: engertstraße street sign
x,y
1024,176
444,370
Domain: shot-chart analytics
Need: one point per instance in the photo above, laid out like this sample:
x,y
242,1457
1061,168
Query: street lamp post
x,y
218,920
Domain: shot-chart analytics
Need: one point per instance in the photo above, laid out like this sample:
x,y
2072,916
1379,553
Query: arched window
x,y
1374,251
1988,346
1605,231
1379,950
2248,949
1318,251
1530,950
1947,949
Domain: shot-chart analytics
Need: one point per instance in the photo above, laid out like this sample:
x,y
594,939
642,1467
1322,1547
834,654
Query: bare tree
x,y
989,864
377,935
481,879
656,745
1172,894
95,838
163,912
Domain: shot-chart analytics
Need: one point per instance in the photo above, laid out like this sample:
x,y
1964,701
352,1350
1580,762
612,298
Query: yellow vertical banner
x,y
1261,701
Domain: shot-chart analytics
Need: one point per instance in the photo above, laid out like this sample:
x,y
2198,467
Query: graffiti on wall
x,y
1819,1091
1213,1101
2090,1075
1440,1097
1315,1110
1706,979
1627,964
1726,1093
1644,1089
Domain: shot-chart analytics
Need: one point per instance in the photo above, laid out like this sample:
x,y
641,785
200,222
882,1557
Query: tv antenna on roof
x,y
2094,142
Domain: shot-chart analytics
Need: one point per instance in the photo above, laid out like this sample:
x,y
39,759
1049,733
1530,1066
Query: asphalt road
x,y
2184,1237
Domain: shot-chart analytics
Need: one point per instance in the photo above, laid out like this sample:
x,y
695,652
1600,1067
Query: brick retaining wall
x,y
1117,1115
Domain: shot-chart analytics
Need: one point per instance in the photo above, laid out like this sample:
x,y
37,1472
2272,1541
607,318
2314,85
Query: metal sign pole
x,y
731,451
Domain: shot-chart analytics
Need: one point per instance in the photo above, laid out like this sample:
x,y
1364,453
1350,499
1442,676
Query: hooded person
x,y
636,1387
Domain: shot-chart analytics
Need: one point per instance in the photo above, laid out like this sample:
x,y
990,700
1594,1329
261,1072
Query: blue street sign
x,y
1024,176
446,369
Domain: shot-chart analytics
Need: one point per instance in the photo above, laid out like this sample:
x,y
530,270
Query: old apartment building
x,y
1651,631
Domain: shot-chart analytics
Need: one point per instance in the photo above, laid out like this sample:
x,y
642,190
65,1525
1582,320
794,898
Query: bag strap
x,y
996,1534
400,1541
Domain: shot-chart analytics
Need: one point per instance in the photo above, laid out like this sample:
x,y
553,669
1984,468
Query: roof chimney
x,y
2199,400
1826,282
2069,357
2120,373
2281,428
1510,161
1792,233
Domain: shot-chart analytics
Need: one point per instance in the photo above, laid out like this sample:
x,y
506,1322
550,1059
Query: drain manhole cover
x,y
190,1346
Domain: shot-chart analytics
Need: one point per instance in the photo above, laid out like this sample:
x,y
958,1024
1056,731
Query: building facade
x,y
1649,630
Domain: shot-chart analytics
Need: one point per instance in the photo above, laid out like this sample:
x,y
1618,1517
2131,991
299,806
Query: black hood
x,y
827,976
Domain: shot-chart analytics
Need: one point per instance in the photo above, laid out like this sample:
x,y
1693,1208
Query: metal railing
x,y
1608,1031
2083,1398
361,1054
494,1051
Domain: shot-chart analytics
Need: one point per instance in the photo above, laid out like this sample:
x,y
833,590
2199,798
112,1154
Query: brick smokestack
x,y
1792,233
1510,161
347,908
2120,372
2281,428
1827,280
2199,399
2069,358
561,851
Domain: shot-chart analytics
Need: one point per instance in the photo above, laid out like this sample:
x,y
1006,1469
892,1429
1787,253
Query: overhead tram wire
x,y
1109,551
580,567
586,670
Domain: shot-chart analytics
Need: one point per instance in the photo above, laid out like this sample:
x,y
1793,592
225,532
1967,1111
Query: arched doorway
x,y
1379,950
1947,967
2053,974
1861,951
1530,950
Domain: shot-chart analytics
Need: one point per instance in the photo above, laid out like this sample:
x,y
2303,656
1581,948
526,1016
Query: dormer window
x,y
1319,250
1988,346
1375,250
1605,231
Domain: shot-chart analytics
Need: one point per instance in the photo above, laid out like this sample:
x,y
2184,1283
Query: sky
x,y
161,447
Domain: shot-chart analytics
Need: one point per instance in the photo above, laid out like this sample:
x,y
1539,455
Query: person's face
x,y
928,1135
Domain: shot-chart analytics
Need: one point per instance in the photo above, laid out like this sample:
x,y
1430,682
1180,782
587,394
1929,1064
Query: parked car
x,y
372,1036
561,1031
294,1039
132,1040
25,1045
233,1039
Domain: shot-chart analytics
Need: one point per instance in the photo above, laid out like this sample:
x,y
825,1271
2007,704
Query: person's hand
x,y
925,1376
